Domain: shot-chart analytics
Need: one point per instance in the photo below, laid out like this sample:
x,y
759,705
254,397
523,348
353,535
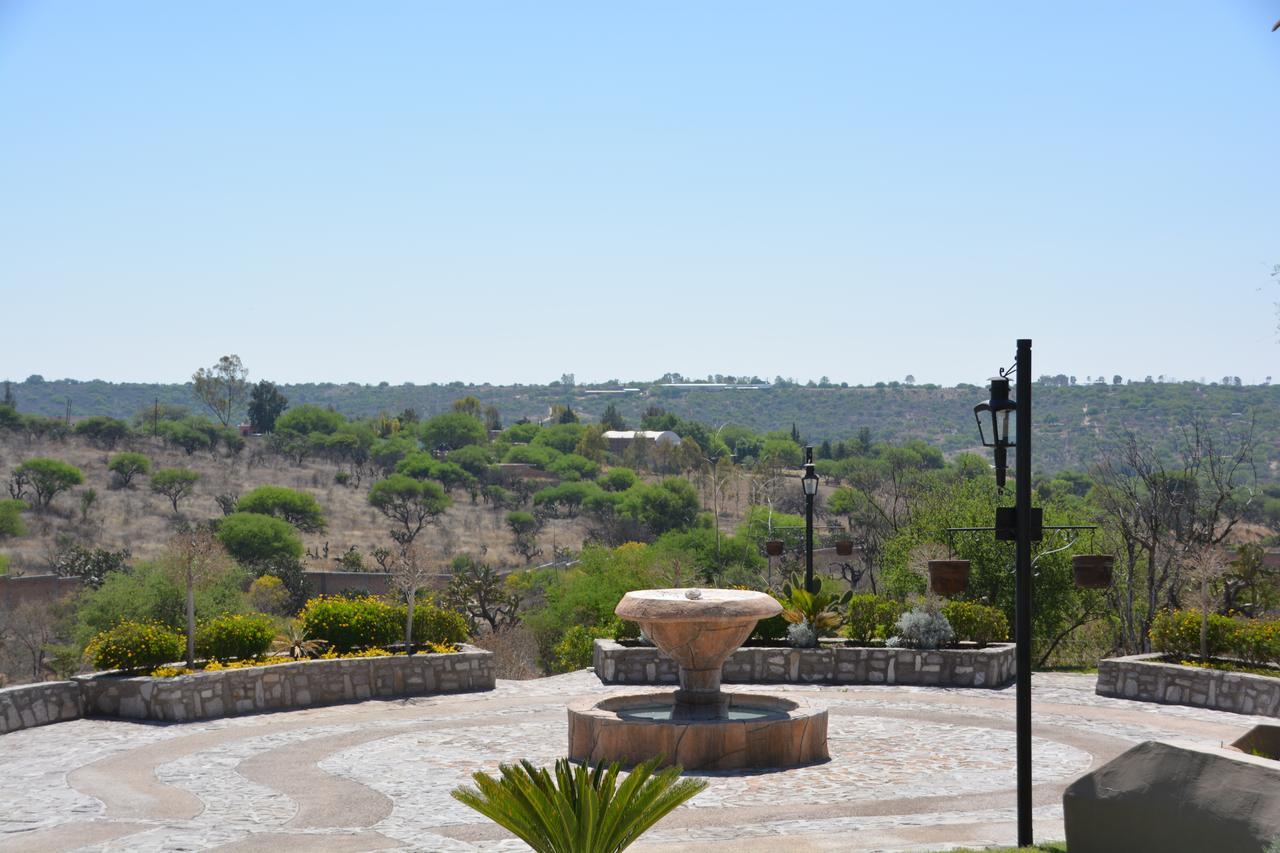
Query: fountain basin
x,y
749,731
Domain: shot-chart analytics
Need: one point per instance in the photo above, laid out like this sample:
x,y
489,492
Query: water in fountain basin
x,y
668,713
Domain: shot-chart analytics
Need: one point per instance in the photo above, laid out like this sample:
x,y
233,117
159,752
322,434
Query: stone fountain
x,y
698,726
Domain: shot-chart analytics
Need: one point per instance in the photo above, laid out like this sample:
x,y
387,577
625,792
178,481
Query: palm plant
x,y
294,643
822,611
580,809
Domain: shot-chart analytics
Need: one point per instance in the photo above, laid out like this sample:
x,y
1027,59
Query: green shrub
x,y
134,645
1177,633
1257,641
352,623
871,617
230,637
980,623
574,651
128,465
432,624
297,508
253,539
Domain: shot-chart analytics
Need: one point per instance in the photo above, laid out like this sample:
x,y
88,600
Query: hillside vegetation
x,y
1073,421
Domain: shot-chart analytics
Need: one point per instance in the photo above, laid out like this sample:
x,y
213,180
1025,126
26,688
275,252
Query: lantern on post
x,y
995,412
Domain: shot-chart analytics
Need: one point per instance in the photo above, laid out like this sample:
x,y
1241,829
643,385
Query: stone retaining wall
x,y
203,695
992,666
1147,678
29,705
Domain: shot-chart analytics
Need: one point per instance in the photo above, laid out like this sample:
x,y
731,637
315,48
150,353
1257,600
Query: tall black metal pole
x,y
808,526
1022,615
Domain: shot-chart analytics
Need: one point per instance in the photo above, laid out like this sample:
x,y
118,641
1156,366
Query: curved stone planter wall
x,y
203,695
1149,679
993,666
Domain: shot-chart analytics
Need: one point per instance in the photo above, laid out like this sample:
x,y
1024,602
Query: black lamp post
x,y
1024,529
810,483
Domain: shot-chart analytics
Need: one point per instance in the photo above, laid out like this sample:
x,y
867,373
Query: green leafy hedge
x,y
351,623
234,637
980,623
871,617
368,622
1177,633
134,645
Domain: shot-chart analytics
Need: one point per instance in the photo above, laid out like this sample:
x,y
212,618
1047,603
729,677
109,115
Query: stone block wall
x,y
993,666
29,705
291,685
1147,678
204,695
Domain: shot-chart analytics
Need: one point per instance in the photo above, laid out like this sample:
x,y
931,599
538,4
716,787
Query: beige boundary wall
x,y
204,695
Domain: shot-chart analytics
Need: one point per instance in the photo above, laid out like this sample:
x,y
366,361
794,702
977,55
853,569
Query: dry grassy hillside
x,y
142,521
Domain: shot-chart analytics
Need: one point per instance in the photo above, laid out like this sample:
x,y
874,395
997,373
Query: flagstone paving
x,y
912,768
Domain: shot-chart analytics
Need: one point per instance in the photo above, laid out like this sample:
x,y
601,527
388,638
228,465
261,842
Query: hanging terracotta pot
x,y
773,547
1093,571
844,547
948,577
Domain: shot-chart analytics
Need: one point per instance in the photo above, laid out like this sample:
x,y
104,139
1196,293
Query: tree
x,y
222,388
453,430
483,595
48,478
1158,510
524,527
1204,567
408,575
266,403
176,484
611,419
34,626
412,503
103,431
126,466
492,419
195,557
11,518
469,405
91,566
256,540
298,508
306,419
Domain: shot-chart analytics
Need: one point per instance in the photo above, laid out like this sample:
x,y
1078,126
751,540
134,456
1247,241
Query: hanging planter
x,y
773,547
1093,571
948,577
844,547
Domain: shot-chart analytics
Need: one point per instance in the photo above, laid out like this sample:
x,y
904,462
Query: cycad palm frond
x,y
578,809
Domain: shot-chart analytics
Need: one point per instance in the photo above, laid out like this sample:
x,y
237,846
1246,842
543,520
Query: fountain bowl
x,y
756,732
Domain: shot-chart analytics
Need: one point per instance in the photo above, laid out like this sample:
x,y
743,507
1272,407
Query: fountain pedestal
x,y
698,726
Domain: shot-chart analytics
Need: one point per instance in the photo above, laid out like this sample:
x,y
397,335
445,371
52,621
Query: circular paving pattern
x,y
910,769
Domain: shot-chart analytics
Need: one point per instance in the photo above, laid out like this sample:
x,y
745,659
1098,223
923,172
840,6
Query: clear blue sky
x,y
423,191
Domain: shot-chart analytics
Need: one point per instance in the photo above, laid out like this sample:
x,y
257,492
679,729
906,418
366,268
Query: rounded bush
x,y
234,637
352,623
432,624
134,645
871,617
1257,641
980,623
254,539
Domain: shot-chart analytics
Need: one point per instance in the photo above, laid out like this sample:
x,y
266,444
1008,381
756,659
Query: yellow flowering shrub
x,y
134,646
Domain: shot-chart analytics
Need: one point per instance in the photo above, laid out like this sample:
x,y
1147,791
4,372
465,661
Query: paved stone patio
x,y
912,768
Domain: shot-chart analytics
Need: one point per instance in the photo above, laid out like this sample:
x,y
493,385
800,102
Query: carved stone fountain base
x,y
769,732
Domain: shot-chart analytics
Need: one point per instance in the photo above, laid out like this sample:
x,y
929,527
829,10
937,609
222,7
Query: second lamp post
x,y
810,483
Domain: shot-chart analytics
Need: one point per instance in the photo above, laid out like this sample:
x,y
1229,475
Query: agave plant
x,y
823,611
580,809
294,643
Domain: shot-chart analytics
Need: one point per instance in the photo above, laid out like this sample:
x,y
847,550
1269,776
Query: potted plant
x,y
1092,571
